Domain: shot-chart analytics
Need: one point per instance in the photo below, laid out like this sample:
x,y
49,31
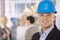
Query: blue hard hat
x,y
46,7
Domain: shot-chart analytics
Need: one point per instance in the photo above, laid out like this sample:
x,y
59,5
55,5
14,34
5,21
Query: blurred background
x,y
14,8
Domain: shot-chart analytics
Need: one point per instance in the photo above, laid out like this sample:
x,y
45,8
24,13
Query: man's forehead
x,y
45,14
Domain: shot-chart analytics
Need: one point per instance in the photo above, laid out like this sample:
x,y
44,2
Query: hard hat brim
x,y
46,12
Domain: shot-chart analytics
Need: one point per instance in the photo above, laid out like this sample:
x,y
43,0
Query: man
x,y
49,31
21,29
4,31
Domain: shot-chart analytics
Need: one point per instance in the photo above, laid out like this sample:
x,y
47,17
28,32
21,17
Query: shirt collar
x,y
22,25
47,31
31,25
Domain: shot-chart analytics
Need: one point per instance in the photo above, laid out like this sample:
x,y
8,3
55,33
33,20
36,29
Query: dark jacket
x,y
53,35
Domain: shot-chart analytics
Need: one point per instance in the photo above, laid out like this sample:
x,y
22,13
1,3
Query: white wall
x,y
58,14
2,7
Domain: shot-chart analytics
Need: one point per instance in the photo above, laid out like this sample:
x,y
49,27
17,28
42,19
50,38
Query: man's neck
x,y
45,28
28,24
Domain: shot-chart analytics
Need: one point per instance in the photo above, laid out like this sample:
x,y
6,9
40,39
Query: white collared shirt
x,y
21,30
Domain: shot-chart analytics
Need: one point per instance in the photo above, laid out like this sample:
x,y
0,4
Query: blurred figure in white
x,y
21,29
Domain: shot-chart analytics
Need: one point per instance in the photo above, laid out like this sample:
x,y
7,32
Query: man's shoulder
x,y
58,32
55,32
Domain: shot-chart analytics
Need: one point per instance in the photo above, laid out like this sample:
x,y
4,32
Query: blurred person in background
x,y
4,30
21,29
18,28
32,28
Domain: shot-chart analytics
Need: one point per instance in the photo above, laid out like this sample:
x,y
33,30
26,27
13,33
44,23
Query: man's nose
x,y
45,17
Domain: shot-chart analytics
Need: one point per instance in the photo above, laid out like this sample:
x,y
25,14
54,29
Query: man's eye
x,y
42,15
48,15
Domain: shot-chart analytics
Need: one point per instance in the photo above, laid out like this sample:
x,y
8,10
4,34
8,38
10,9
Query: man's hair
x,y
31,19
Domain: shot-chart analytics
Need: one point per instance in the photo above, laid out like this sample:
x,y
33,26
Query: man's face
x,y
22,20
46,20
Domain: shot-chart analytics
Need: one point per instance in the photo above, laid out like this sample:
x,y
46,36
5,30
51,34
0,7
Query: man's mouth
x,y
45,22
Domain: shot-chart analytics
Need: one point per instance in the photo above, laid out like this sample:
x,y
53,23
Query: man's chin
x,y
45,25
